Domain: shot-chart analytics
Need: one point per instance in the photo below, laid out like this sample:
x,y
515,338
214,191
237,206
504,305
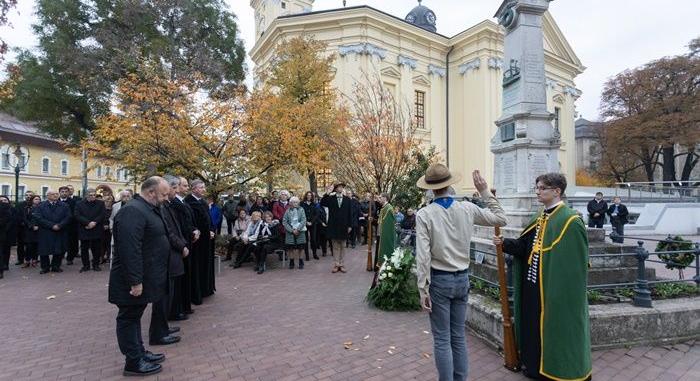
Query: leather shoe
x,y
44,271
154,358
190,312
84,269
142,368
167,340
96,268
172,330
56,270
180,317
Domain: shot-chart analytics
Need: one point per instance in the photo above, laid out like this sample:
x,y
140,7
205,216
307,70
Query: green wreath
x,y
677,260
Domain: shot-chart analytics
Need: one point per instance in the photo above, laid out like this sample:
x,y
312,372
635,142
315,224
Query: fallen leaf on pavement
x,y
69,291
51,297
392,347
426,355
390,352
366,337
426,332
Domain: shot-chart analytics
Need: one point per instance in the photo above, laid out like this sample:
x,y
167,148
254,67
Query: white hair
x,y
284,192
294,199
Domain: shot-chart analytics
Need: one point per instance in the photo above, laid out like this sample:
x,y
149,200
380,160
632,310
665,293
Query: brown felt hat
x,y
438,176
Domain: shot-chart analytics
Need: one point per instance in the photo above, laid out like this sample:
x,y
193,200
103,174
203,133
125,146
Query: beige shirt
x,y
443,235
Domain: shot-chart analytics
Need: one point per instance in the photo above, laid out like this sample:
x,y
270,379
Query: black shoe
x,y
172,330
190,312
323,255
301,264
84,269
167,340
352,246
96,268
142,368
180,317
154,358
236,265
44,271
316,257
69,262
57,270
256,268
261,269
291,263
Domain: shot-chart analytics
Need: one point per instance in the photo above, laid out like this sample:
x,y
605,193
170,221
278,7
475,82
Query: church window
x,y
284,5
5,160
420,109
64,167
45,165
44,190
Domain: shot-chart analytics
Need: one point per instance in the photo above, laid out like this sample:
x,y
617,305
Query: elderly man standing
x,y
53,218
339,223
202,253
444,229
139,271
90,215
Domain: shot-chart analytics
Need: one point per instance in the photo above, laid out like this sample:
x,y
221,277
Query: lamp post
x,y
21,161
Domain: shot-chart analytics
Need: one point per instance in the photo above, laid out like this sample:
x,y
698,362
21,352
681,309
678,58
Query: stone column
x,y
526,144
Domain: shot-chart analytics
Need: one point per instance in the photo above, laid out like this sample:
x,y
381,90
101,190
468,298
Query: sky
x,y
608,36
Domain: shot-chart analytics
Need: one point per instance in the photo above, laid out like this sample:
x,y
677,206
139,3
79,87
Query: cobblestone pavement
x,y
282,325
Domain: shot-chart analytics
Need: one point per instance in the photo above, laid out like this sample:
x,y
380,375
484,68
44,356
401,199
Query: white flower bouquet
x,y
396,288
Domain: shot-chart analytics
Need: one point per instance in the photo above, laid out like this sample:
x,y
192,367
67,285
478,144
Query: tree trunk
x,y
691,159
669,165
313,186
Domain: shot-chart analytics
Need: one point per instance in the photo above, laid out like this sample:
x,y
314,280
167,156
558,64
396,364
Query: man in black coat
x,y
53,218
618,218
202,251
190,280
160,333
90,215
20,209
5,222
339,222
596,211
355,213
139,271
66,196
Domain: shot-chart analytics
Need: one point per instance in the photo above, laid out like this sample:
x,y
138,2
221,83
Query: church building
x,y
453,84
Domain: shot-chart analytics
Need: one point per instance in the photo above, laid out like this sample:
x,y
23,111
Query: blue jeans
x,y
448,294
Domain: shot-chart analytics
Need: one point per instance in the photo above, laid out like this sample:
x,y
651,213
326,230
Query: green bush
x,y
673,290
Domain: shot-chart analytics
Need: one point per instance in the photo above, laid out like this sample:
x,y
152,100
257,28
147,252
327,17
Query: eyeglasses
x,y
541,188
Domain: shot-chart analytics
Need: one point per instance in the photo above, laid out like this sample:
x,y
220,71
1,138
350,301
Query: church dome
x,y
421,16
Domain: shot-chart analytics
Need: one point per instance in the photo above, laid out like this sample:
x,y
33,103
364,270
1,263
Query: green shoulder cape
x,y
387,232
563,273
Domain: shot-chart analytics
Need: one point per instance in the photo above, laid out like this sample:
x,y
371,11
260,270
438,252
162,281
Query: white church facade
x,y
453,84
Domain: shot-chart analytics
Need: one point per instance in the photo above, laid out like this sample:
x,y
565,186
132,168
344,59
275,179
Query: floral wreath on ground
x,y
396,288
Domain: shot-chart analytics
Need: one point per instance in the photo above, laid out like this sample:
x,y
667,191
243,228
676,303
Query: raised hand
x,y
479,182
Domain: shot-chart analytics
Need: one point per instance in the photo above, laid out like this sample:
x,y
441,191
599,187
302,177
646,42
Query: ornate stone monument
x,y
526,144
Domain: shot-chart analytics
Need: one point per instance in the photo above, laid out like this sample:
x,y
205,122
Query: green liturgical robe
x,y
550,269
387,232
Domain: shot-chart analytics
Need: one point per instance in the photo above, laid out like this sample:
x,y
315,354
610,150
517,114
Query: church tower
x,y
267,11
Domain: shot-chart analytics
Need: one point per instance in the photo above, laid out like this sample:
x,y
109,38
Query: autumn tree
x,y
5,7
294,115
653,111
379,143
169,126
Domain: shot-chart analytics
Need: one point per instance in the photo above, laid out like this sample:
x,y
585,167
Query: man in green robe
x,y
550,269
386,231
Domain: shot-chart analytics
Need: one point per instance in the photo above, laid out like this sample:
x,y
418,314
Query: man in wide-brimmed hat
x,y
339,223
443,235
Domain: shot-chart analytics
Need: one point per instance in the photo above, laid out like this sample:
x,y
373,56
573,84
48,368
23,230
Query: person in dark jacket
x,y
31,232
408,227
6,218
339,222
200,250
596,211
90,214
53,218
356,213
72,239
184,285
21,244
259,205
215,215
160,333
139,271
312,220
229,211
618,218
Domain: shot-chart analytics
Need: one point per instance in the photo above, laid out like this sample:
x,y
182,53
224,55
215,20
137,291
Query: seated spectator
x,y
246,238
239,227
263,238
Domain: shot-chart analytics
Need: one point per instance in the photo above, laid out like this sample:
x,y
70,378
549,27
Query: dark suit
x,y
141,252
183,285
71,229
619,220
600,207
90,239
202,251
20,210
5,223
52,243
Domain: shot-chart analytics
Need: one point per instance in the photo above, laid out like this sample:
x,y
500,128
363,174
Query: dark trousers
x,y
54,262
106,249
229,225
242,252
354,234
72,242
159,314
21,254
31,251
185,282
311,241
324,241
129,332
619,228
5,256
596,222
87,245
176,306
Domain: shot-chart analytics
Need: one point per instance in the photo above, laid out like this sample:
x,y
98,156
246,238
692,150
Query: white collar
x,y
179,197
552,206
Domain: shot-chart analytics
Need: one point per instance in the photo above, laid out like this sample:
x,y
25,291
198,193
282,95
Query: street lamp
x,y
20,161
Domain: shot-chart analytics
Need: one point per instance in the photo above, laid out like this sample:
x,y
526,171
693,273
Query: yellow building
x,y
453,84
49,166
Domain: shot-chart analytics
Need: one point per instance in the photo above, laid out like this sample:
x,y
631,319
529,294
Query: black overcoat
x,y
177,242
204,256
140,256
339,217
86,211
46,215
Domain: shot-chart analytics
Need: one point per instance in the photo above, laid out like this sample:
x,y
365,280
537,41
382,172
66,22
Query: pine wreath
x,y
676,260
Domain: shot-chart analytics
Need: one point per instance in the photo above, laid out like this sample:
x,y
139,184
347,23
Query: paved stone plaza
x,y
282,325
